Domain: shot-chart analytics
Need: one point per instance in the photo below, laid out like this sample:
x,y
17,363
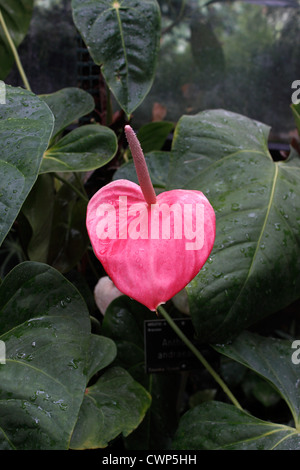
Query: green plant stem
x,y
79,181
199,356
14,52
71,186
91,265
109,111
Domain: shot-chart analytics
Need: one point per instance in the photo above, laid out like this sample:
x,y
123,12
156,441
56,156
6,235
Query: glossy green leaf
x,y
218,426
57,231
115,404
68,238
124,323
158,163
17,15
38,210
86,148
26,125
255,386
153,135
102,352
68,105
254,267
122,37
272,359
45,326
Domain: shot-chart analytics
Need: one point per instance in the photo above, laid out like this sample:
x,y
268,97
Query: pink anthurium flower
x,y
150,246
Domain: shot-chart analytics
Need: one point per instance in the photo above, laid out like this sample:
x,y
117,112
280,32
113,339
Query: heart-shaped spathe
x,y
150,251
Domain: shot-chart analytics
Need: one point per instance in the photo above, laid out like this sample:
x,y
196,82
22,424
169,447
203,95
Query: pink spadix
x,y
150,246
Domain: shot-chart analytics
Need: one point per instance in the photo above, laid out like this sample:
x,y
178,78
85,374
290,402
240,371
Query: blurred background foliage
x,y
235,55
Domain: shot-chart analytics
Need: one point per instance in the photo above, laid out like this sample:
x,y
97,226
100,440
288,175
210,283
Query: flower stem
x,y
71,186
80,183
199,356
14,52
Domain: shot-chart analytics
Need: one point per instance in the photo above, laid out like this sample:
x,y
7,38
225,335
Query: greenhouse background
x,y
239,56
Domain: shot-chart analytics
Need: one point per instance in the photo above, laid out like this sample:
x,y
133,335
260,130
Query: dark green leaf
x,y
254,267
158,166
218,426
253,270
83,149
26,125
45,326
115,404
17,15
232,372
69,238
38,210
255,386
272,359
122,37
202,396
29,281
101,353
67,106
124,323
153,135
